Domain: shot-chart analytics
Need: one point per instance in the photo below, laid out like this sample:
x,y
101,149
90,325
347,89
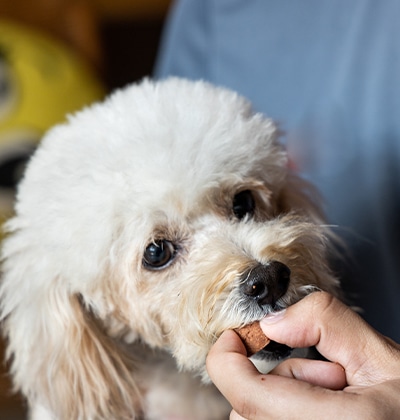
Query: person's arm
x,y
361,381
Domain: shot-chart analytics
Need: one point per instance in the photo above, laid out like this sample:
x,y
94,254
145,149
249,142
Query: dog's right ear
x,y
60,358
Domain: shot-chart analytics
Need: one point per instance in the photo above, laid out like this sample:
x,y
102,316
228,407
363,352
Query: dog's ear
x,y
301,197
60,358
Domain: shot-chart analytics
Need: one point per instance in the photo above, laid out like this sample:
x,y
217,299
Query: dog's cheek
x,y
197,317
129,305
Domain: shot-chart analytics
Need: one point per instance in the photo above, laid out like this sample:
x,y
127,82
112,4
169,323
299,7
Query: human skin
x,y
360,380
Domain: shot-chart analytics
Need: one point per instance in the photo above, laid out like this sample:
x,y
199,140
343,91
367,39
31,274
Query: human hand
x,y
361,380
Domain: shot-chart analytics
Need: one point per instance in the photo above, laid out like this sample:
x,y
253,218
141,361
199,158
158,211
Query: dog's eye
x,y
158,254
243,204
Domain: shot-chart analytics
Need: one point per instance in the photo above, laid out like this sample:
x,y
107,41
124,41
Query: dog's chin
x,y
270,356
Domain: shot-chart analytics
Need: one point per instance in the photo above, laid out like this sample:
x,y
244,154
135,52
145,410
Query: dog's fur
x,y
94,330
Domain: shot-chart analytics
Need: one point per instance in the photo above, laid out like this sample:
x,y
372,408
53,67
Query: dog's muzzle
x,y
265,284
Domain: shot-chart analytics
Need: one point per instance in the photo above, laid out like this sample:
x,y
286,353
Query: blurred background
x,y
55,57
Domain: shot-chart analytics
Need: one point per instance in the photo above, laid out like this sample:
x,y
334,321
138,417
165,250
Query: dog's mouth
x,y
273,351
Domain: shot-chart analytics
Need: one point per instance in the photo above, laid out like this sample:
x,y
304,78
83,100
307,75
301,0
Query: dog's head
x,y
166,214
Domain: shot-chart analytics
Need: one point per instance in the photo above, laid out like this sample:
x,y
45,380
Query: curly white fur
x,y
93,332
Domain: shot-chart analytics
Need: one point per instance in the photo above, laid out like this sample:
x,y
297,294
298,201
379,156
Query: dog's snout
x,y
266,283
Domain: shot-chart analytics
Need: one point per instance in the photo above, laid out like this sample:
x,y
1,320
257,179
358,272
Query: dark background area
x,y
129,49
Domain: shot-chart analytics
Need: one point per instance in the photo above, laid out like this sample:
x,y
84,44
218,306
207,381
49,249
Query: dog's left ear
x,y
61,359
300,197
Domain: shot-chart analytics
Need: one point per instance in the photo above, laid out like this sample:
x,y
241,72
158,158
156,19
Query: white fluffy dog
x,y
145,227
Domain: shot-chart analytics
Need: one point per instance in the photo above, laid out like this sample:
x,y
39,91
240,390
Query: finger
x,y
325,374
256,396
229,351
339,334
235,416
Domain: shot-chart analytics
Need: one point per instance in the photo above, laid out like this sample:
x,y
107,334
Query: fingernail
x,y
273,317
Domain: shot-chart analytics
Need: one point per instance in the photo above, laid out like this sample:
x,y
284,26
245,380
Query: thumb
x,y
338,333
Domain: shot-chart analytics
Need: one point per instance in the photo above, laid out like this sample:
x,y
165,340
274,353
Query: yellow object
x,y
41,80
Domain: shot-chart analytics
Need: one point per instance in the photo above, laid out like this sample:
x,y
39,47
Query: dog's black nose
x,y
266,283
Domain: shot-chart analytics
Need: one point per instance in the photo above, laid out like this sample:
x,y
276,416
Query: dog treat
x,y
253,337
